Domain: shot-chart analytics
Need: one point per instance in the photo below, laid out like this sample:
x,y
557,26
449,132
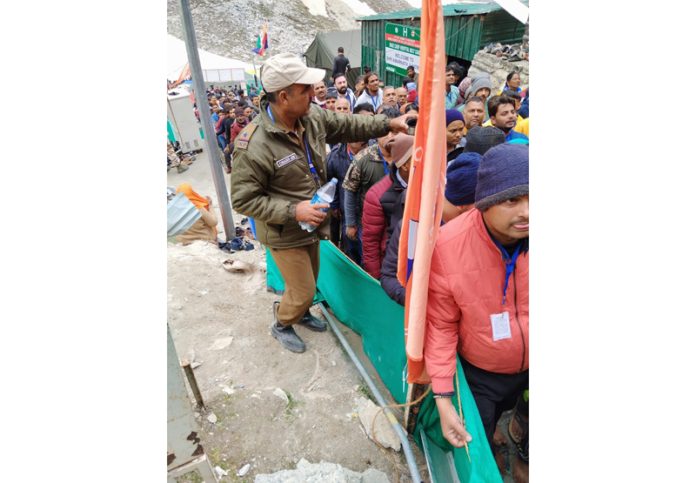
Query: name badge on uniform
x,y
286,160
501,326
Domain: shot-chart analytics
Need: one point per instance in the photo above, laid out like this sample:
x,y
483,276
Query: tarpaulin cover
x,y
359,302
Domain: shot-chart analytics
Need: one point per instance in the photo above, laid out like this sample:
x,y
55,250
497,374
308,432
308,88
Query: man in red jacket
x,y
478,296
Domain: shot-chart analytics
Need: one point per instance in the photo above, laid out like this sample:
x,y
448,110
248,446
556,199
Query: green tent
x,y
324,48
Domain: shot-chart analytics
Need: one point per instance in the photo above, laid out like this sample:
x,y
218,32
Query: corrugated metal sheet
x,y
501,27
468,28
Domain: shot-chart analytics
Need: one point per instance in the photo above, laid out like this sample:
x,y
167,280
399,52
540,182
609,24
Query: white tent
x,y
215,67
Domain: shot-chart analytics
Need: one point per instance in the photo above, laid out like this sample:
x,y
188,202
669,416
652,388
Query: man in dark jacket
x,y
279,163
339,159
341,64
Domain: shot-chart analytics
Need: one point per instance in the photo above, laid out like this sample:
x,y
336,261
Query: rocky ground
x,y
265,407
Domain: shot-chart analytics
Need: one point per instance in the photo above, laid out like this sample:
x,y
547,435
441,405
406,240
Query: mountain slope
x,y
230,27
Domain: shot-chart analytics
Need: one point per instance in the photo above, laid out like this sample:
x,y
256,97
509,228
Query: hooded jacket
x,y
467,276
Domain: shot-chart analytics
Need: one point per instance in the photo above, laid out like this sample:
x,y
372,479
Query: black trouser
x,y
494,393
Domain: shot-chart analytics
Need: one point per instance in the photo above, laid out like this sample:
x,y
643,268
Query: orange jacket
x,y
467,275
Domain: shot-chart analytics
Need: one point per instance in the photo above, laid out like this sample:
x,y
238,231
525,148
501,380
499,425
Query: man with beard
x,y
371,165
341,85
372,93
279,164
504,117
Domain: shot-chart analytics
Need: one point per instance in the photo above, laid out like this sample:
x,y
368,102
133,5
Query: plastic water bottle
x,y
325,194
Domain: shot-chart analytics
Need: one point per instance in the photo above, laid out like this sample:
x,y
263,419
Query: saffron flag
x,y
262,40
185,75
423,207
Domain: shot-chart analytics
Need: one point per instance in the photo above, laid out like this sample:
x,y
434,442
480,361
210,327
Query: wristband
x,y
443,395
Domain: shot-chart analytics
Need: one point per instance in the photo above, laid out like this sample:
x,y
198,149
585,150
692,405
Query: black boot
x,y
286,334
312,323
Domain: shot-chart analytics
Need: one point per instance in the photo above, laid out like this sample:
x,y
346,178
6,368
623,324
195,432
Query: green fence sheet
x,y
359,302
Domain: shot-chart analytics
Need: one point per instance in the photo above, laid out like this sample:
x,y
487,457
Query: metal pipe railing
x,y
408,453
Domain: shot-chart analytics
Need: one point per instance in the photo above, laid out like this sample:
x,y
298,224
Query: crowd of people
x,y
282,144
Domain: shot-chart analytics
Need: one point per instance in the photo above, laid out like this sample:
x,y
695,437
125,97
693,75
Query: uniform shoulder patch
x,y
242,140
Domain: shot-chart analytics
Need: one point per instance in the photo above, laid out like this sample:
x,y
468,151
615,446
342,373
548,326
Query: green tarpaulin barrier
x,y
170,132
359,302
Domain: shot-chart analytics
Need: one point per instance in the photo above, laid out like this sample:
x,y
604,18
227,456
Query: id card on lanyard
x,y
312,169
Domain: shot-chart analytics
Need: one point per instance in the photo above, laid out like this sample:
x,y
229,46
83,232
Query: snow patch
x,y
360,8
316,7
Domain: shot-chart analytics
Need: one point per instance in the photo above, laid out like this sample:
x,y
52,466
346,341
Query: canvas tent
x,y
216,68
324,47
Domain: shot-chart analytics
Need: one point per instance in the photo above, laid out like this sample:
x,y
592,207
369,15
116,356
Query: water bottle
x,y
325,194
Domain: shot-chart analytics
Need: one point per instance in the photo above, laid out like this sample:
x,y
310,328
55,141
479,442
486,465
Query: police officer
x,y
279,163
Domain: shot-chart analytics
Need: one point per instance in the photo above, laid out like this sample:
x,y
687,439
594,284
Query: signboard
x,y
401,47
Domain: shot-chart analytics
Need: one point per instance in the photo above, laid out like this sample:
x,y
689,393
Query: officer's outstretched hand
x,y
304,211
398,124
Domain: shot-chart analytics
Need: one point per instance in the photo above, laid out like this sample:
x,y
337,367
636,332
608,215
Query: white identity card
x,y
501,326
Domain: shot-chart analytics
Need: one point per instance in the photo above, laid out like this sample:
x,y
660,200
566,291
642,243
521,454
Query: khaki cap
x,y
283,70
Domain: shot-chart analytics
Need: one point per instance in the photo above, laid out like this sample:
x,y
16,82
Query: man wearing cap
x,y
481,139
478,296
379,205
279,163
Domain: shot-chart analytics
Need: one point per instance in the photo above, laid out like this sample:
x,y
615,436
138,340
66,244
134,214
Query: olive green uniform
x,y
271,175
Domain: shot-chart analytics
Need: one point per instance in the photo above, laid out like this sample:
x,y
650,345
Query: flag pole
x,y
202,103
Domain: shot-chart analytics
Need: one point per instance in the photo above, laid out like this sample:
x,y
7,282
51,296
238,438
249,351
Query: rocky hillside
x,y
229,27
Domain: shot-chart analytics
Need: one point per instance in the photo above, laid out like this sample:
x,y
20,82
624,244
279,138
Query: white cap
x,y
283,70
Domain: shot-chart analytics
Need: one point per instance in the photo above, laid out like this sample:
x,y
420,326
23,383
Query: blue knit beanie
x,y
503,174
452,115
461,179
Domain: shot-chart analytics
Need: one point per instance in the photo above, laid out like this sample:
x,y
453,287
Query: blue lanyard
x,y
372,99
312,169
384,161
509,263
